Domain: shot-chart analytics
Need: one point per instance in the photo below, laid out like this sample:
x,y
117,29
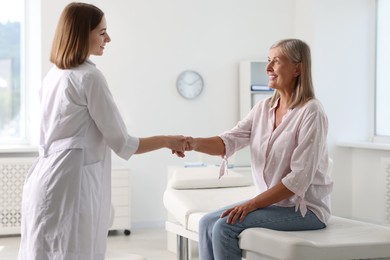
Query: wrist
x,y
164,141
195,144
254,203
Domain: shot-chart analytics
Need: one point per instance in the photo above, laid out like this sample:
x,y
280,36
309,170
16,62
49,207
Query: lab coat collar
x,y
90,62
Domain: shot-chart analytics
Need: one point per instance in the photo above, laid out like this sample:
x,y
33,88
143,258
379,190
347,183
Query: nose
x,y
269,67
108,38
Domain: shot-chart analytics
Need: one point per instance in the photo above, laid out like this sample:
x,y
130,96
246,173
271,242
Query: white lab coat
x,y
67,192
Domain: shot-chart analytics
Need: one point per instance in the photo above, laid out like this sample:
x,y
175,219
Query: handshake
x,y
180,144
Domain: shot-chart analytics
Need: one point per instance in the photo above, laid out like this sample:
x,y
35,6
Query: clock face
x,y
189,84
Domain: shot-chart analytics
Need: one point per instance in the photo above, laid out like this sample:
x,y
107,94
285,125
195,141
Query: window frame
x,y
30,78
375,136
9,140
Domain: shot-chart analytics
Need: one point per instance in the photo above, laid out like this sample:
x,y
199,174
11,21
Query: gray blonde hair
x,y
298,52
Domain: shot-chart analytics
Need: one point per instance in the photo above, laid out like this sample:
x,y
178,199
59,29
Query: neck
x,y
285,99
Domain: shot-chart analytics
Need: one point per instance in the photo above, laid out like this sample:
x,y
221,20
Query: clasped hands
x,y
180,144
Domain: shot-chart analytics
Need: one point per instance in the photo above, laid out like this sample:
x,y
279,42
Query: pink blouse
x,y
295,153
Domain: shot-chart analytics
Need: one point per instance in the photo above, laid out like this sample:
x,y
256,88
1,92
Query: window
x,y
382,122
20,71
12,112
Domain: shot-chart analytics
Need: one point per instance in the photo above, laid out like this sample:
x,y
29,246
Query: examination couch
x,y
192,192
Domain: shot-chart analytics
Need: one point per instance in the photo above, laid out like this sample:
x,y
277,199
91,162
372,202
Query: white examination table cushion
x,y
182,203
206,178
341,239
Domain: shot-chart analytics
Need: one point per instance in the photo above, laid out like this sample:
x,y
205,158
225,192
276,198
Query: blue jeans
x,y
219,240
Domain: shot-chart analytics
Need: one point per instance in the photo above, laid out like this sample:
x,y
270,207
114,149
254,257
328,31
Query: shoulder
x,y
313,111
86,75
88,70
313,105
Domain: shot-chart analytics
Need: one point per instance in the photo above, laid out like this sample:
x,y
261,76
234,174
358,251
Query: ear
x,y
298,68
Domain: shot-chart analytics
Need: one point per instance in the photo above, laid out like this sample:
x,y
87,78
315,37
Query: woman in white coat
x,y
67,192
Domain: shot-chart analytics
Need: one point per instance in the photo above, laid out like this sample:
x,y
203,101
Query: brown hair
x,y
298,52
70,46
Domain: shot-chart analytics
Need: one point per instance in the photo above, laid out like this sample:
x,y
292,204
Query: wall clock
x,y
189,84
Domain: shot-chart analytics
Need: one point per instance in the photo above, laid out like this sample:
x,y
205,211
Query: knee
x,y
221,228
226,230
206,223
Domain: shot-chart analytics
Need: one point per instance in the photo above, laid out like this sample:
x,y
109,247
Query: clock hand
x,y
194,81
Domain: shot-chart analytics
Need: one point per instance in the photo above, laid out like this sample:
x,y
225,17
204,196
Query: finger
x,y
229,219
243,215
235,217
224,214
181,155
178,147
184,145
189,148
231,216
228,211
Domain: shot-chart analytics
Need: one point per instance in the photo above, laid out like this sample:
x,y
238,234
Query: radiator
x,y
385,168
12,175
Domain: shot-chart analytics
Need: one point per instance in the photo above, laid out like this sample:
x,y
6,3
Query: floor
x,y
142,244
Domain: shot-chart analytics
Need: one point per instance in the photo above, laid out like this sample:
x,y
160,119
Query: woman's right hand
x,y
188,146
190,143
176,143
178,154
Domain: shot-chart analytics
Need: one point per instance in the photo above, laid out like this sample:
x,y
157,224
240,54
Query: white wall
x,y
153,41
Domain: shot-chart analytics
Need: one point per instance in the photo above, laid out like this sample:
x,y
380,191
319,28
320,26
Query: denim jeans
x,y
219,240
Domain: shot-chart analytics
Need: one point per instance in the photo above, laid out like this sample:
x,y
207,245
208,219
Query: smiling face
x,y
282,73
98,38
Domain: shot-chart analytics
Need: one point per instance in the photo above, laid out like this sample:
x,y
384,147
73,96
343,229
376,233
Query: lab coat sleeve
x,y
104,112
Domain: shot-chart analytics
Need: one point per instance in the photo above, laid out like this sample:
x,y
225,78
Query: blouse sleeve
x,y
311,147
239,136
107,117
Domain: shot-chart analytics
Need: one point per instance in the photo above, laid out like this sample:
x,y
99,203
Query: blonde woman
x,y
287,138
